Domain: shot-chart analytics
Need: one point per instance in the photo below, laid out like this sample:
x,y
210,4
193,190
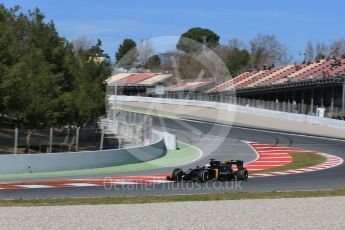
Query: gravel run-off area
x,y
291,213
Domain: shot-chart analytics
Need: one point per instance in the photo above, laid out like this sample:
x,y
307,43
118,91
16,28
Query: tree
x,y
236,43
309,52
194,38
127,54
153,62
82,43
322,51
222,51
89,93
30,87
268,50
237,60
337,47
33,64
96,50
145,51
190,68
44,80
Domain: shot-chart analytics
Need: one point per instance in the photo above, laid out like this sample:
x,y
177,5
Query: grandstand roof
x,y
117,77
284,76
190,86
320,69
137,79
155,79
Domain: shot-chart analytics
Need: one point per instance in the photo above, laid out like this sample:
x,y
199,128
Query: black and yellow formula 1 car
x,y
216,170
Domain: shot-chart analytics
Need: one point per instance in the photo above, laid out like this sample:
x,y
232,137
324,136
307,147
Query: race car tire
x,y
177,174
242,174
203,175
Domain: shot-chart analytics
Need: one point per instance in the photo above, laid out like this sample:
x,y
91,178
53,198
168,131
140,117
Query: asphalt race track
x,y
220,142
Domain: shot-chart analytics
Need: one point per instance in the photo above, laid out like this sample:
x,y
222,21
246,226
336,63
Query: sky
x,y
294,22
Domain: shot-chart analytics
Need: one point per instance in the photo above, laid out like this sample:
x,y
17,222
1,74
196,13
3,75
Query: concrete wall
x,y
170,140
238,108
26,163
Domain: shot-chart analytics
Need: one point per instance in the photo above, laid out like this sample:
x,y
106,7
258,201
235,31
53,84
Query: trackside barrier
x,y
31,163
235,108
169,139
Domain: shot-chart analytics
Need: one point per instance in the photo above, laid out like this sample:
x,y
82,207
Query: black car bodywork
x,y
217,170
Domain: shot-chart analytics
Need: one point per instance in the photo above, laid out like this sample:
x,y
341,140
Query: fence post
x,y
332,103
312,102
15,140
77,139
51,140
102,139
288,107
302,107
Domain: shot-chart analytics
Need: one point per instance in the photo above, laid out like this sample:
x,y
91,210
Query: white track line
x,y
124,182
36,186
81,184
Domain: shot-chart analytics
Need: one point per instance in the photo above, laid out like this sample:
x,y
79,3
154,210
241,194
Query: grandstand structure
x,y
298,88
317,84
194,86
139,83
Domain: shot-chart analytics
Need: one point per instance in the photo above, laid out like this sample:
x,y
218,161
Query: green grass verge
x,y
299,160
172,198
148,112
186,153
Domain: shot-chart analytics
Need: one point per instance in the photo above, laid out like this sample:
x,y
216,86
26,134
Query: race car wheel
x,y
203,175
242,174
177,174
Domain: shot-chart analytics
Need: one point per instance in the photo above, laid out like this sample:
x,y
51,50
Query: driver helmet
x,y
226,161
